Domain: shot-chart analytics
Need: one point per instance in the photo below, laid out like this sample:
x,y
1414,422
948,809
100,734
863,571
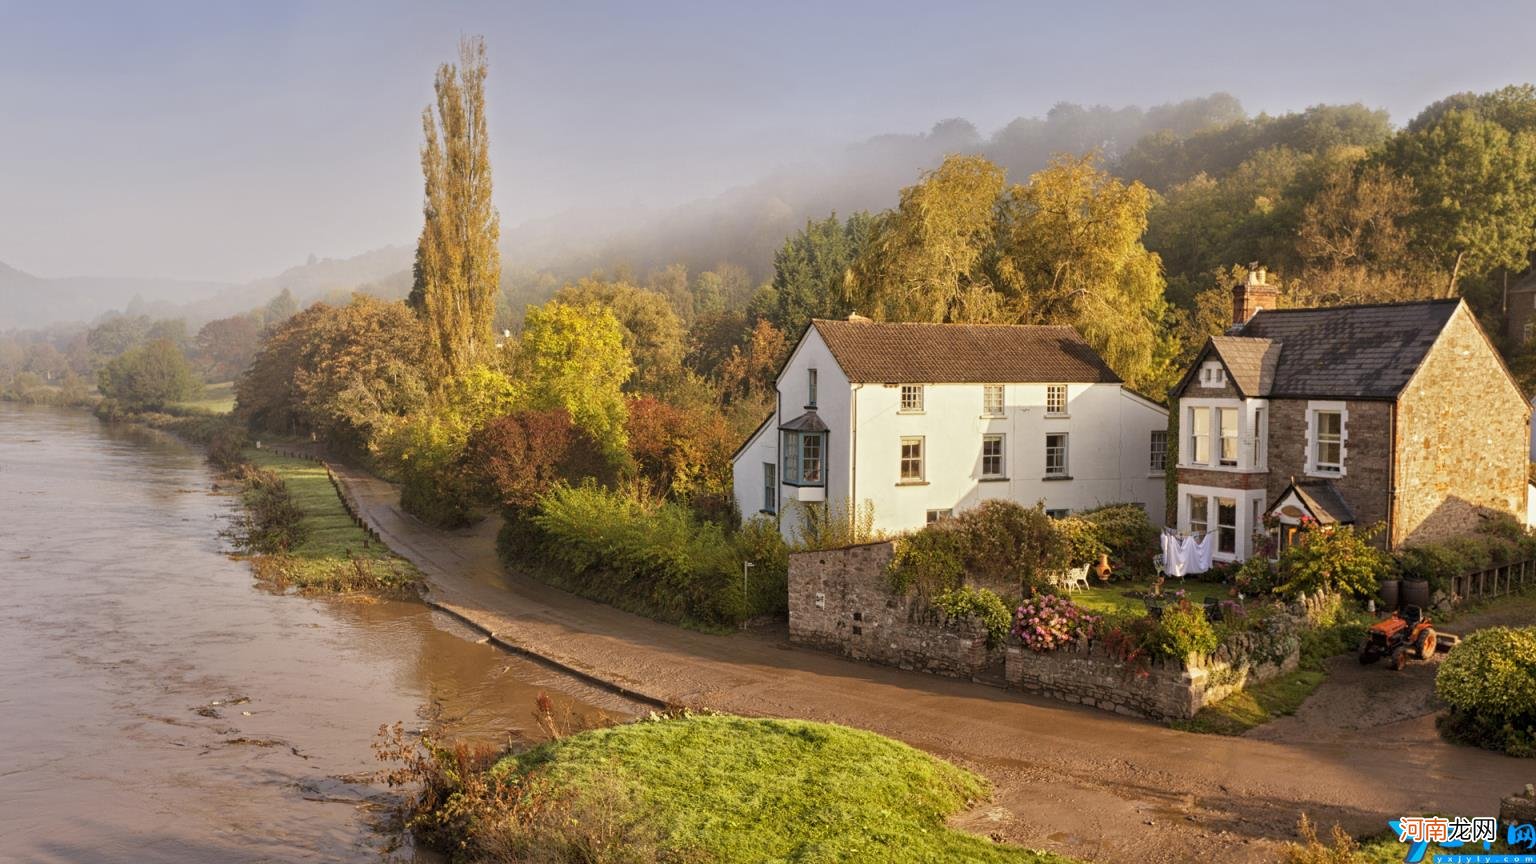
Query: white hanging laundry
x,y
1205,551
1189,555
1173,559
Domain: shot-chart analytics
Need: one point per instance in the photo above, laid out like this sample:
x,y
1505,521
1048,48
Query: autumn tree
x,y
518,457
573,357
457,271
1071,253
1354,243
922,259
226,346
653,334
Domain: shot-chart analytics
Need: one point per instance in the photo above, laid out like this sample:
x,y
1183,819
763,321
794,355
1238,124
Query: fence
x,y
1493,582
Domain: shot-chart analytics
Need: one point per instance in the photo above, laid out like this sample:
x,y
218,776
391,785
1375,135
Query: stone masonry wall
x,y
1464,430
1086,674
1367,455
840,600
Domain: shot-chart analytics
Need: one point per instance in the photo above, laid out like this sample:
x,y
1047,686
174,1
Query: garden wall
x,y
840,600
1086,674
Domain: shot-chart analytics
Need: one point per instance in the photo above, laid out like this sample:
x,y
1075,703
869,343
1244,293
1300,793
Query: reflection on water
x,y
128,641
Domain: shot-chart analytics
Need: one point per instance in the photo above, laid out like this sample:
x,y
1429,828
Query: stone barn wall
x,y
840,600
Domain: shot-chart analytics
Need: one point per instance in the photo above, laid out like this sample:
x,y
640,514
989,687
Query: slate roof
x,y
1251,361
871,352
1322,499
807,422
1345,352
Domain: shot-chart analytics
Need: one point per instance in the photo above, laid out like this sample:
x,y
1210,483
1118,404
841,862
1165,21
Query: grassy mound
x,y
732,789
334,555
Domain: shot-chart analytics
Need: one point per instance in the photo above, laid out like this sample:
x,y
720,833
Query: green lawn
x,y
1112,600
733,789
335,555
216,399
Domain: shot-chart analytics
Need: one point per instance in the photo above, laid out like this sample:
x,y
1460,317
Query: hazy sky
x,y
225,140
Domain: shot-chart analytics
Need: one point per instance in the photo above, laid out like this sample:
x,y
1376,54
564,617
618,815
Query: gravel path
x,y
1072,780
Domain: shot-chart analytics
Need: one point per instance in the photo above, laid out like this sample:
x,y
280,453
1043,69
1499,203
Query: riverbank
x,y
1071,780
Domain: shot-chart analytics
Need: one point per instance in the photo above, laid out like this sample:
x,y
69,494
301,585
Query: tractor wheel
x,y
1427,643
1368,655
1399,659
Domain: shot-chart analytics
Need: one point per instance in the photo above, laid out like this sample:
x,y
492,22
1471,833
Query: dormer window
x,y
1212,374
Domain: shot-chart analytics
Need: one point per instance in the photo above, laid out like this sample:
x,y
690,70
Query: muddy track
x,y
1069,779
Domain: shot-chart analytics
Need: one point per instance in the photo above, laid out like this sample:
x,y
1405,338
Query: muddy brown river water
x,y
157,706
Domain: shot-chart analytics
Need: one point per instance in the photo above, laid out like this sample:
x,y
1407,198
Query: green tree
x,y
457,270
150,376
810,268
280,308
573,357
1071,253
1475,189
922,260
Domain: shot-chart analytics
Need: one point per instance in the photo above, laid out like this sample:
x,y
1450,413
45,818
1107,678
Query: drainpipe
x,y
853,449
1392,479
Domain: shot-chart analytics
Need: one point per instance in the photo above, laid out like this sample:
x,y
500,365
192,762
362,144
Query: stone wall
x,y
1087,674
840,600
1464,430
1367,455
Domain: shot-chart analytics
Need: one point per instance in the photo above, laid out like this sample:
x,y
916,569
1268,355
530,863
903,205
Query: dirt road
x,y
1072,780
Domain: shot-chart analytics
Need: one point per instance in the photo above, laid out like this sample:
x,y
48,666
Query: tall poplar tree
x,y
458,267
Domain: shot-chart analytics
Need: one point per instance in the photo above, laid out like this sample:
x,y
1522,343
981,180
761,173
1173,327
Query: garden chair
x,y
1077,579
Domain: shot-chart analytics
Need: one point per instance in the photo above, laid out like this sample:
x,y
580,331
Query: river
x,y
130,642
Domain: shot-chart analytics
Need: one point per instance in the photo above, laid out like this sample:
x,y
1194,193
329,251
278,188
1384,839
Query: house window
x,y
1328,442
1056,454
911,460
770,488
912,398
1226,526
1159,459
1199,514
1200,436
1212,374
810,385
1226,421
803,454
992,400
1260,442
939,515
810,459
1059,513
1056,399
992,456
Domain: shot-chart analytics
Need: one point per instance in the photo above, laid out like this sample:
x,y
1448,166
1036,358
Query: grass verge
x,y
1278,697
334,555
215,399
718,789
1112,600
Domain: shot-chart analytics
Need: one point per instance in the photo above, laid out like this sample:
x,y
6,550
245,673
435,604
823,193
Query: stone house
x,y
1400,413
924,420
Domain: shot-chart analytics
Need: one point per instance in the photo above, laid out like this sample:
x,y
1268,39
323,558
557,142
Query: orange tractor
x,y
1397,636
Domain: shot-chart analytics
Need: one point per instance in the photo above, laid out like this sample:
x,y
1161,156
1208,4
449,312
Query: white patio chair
x,y
1077,579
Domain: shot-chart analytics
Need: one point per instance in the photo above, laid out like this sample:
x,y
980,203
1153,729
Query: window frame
x,y
1226,535
810,386
987,408
1199,434
1001,456
1205,513
793,461
939,515
1063,470
915,405
770,487
1225,435
1157,452
1056,393
1315,466
921,476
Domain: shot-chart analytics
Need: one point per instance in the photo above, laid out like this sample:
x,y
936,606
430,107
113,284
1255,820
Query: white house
x,y
923,420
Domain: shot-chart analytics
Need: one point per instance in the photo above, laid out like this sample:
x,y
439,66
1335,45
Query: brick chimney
x,y
1251,296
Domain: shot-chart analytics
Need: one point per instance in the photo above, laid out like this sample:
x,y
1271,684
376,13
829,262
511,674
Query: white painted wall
x,y
1109,443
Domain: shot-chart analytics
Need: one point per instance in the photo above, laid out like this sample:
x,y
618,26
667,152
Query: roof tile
x,y
871,352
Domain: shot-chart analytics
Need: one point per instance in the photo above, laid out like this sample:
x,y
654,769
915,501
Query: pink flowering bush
x,y
1046,622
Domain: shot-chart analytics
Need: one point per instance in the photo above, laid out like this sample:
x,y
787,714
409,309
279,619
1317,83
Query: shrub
x,y
998,542
650,556
932,560
1255,577
980,605
760,543
224,445
1489,682
1334,558
833,525
272,522
1079,539
148,377
1046,622
1181,631
1129,536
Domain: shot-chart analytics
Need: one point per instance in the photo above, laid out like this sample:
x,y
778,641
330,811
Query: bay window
x,y
803,455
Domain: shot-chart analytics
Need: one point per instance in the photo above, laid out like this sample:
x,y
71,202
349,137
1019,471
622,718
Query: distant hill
x,y
28,301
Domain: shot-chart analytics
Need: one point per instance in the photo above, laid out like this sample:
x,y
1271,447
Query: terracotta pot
x,y
1103,568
